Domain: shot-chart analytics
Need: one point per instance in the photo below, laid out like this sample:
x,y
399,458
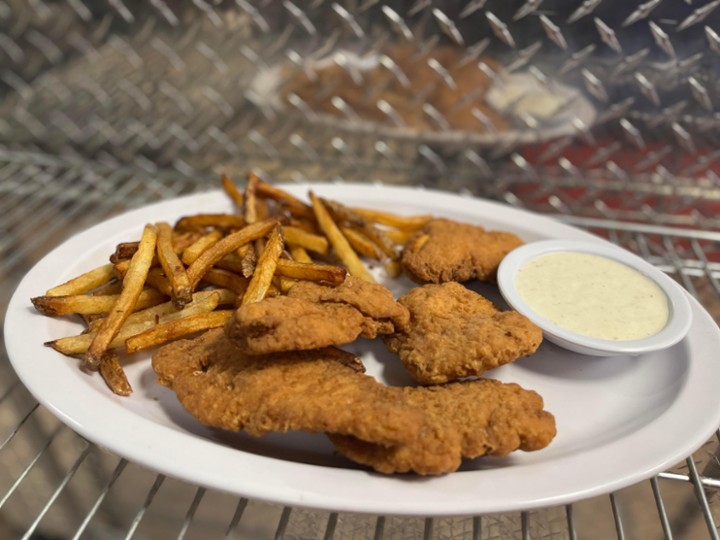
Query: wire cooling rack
x,y
57,484
106,106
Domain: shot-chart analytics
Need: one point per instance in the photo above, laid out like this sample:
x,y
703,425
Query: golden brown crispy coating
x,y
373,300
445,250
312,316
426,430
484,417
435,451
455,332
313,391
492,418
283,323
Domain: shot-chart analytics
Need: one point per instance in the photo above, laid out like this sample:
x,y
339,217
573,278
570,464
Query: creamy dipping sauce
x,y
593,295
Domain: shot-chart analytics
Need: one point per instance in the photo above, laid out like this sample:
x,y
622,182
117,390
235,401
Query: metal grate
x,y
106,106
53,481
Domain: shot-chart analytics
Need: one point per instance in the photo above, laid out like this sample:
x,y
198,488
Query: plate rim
x,y
296,490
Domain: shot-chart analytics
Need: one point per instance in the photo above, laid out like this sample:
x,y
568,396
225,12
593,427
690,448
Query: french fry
x,y
306,224
398,236
248,260
85,282
174,269
232,190
299,254
419,241
157,280
227,280
327,273
87,304
155,313
114,287
339,243
79,344
92,322
283,284
123,251
389,219
200,298
203,243
362,244
181,240
121,267
203,302
344,214
262,209
381,240
292,203
265,270
252,212
114,375
111,287
273,290
200,221
227,245
231,262
250,201
168,331
393,268
75,345
133,284
300,237
226,296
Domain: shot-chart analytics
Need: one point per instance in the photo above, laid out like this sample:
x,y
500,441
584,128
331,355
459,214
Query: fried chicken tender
x,y
315,391
392,429
455,332
445,250
312,316
485,417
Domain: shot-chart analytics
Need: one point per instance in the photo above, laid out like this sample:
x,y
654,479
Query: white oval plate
x,y
680,313
620,419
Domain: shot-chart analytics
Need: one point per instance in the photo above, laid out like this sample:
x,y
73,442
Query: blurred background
x,y
603,114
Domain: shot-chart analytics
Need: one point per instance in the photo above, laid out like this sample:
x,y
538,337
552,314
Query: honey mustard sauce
x,y
593,295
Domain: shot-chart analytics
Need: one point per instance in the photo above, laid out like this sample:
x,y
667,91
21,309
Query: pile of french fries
x,y
181,279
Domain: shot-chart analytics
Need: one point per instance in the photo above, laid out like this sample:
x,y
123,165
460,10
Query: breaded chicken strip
x,y
374,301
391,429
315,391
445,250
312,316
455,332
486,417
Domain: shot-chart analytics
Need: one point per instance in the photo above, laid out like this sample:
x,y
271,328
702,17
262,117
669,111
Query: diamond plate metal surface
x,y
110,104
